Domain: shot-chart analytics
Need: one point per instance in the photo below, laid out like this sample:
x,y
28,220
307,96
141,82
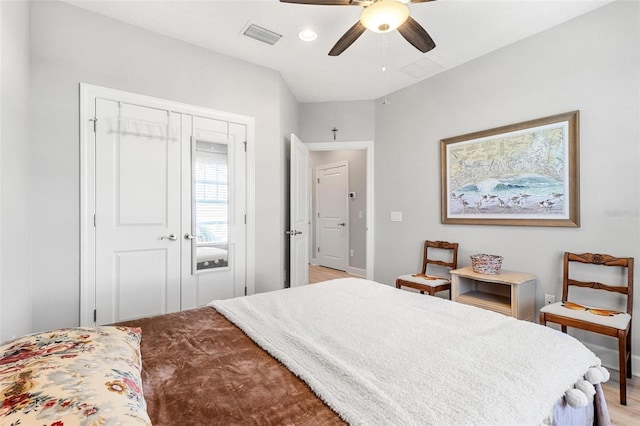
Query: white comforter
x,y
381,356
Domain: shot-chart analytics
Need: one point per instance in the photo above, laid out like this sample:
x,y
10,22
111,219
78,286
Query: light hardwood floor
x,y
623,415
620,415
320,273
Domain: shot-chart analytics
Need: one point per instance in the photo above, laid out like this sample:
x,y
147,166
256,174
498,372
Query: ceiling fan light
x,y
384,16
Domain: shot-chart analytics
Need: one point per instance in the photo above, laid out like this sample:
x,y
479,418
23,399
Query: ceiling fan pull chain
x,y
384,52
384,69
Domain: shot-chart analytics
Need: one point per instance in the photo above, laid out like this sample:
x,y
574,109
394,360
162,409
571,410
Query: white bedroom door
x,y
137,215
299,214
333,215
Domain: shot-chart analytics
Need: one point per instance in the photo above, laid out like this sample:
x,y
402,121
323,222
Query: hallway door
x,y
333,215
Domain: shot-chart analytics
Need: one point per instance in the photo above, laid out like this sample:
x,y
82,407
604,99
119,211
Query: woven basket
x,y
488,264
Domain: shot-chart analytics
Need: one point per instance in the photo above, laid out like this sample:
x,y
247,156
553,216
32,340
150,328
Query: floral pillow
x,y
73,376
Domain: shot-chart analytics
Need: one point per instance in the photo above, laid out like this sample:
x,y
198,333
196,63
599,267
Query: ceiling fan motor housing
x,y
380,16
384,15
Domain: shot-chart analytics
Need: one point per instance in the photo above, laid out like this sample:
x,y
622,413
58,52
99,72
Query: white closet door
x,y
214,205
137,211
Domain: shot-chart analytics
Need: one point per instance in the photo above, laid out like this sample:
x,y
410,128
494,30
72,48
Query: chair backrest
x,y
443,245
603,260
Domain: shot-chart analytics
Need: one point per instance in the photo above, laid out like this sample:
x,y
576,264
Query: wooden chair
x,y
597,320
431,283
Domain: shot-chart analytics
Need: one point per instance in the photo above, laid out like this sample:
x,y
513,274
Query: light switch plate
x,y
396,217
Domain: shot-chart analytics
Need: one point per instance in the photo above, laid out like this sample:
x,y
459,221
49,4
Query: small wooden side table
x,y
510,293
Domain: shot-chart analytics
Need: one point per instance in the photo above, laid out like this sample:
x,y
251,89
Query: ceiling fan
x,y
380,16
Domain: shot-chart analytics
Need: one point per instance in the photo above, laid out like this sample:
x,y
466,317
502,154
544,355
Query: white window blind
x,y
211,193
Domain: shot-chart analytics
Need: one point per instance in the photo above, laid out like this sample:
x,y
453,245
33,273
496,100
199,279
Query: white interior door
x,y
214,208
299,214
332,189
137,219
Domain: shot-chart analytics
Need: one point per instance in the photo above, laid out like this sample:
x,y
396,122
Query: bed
x,y
358,352
211,257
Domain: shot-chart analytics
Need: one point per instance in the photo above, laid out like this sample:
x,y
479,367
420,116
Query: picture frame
x,y
523,174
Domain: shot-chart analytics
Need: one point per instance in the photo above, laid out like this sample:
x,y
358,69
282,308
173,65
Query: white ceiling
x,y
462,30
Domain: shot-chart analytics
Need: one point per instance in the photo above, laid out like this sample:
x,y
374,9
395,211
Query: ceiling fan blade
x,y
321,2
347,39
416,35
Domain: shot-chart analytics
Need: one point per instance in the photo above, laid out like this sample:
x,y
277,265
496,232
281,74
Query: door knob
x,y
342,224
188,236
171,237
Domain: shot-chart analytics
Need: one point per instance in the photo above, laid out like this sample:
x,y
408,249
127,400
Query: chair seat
x,y
619,321
424,281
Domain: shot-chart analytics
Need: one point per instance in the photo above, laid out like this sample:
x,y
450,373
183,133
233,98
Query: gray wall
x,y
355,121
589,64
70,45
357,183
15,229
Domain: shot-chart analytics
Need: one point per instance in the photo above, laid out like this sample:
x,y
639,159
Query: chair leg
x,y
629,356
622,349
543,319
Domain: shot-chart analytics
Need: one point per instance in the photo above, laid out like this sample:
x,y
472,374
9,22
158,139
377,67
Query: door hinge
x,y
245,290
245,146
318,180
95,120
95,315
318,215
94,220
318,249
245,219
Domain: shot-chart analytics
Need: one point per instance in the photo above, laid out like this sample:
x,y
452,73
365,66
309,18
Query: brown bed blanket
x,y
200,369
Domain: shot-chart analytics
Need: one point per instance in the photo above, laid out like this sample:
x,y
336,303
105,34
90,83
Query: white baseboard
x,y
609,358
313,261
358,272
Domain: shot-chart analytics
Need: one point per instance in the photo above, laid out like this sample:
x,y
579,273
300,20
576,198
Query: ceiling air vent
x,y
261,34
422,68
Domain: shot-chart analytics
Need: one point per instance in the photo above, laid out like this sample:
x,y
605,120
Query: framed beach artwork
x,y
521,174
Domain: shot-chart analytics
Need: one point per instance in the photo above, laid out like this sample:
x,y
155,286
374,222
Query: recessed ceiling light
x,y
307,35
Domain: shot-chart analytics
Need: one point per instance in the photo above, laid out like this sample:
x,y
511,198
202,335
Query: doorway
x,y
165,202
362,215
